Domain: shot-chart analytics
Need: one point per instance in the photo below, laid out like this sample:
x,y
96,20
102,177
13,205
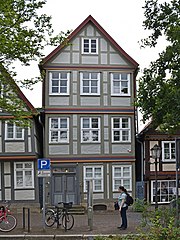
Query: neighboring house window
x,y
59,130
13,132
121,129
90,83
166,191
89,46
120,84
94,173
59,83
121,176
24,174
168,151
90,129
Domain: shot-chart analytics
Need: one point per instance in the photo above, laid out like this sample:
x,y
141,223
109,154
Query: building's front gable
x,y
89,44
104,54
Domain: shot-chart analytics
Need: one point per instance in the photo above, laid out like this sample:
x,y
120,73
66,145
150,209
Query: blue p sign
x,y
43,164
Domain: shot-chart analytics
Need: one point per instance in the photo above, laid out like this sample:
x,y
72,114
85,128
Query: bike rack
x,y
24,218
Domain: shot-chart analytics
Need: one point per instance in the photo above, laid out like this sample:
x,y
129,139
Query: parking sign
x,y
44,164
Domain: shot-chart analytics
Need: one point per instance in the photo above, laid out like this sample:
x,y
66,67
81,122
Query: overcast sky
x,y
122,19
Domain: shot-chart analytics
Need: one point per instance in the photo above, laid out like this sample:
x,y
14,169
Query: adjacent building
x,y
19,150
89,117
166,164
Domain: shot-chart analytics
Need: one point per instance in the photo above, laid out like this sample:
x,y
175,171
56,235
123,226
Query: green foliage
x,y
156,225
159,88
24,33
140,205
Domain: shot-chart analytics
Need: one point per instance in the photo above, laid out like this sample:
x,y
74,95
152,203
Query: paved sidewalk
x,y
104,223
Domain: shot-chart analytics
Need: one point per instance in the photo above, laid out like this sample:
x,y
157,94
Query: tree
x,y
159,88
23,35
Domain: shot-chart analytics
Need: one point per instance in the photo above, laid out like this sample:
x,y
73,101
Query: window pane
x,y
86,136
28,165
85,122
19,178
117,172
94,122
97,173
63,123
115,75
28,178
125,123
95,136
55,75
116,135
89,172
63,135
18,132
97,185
94,76
85,75
63,75
124,76
54,136
125,135
116,123
54,122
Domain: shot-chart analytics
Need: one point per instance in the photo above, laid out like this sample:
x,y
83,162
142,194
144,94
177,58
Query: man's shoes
x,y
122,228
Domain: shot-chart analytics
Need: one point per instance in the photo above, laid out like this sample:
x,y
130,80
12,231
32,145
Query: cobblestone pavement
x,y
104,223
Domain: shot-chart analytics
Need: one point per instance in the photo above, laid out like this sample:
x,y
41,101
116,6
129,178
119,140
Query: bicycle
x,y
60,215
7,221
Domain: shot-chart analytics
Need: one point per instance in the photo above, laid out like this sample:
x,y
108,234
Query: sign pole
x,y
44,202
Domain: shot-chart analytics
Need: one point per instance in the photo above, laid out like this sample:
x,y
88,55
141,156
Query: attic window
x,y
89,46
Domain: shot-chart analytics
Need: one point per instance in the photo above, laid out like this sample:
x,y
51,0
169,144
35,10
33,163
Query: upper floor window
x,y
89,46
23,174
59,83
94,173
59,130
120,84
121,176
13,132
168,151
90,83
90,129
121,129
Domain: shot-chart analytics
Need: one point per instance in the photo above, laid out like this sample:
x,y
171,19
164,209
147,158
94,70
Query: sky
x,y
122,19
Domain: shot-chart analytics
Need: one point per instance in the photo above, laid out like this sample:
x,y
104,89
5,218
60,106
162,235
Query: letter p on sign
x,y
43,164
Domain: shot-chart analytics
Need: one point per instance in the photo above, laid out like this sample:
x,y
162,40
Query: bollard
x,y
90,217
24,218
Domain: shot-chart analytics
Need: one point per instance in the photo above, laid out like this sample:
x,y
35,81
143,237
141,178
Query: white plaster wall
x,y
24,194
58,149
14,147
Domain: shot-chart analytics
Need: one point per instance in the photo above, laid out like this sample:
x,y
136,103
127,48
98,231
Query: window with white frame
x,y
121,129
59,130
24,174
168,151
120,84
121,176
13,132
90,129
94,173
90,83
90,45
59,83
166,191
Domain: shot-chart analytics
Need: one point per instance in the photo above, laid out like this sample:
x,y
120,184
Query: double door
x,y
64,188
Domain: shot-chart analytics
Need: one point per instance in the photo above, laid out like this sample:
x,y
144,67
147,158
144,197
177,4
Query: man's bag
x,y
129,200
116,206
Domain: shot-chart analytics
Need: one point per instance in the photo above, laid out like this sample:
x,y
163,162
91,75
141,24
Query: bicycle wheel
x,y
50,218
8,224
67,221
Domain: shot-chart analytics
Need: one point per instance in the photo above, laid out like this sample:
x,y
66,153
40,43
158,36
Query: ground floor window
x,y
166,191
24,174
121,176
94,173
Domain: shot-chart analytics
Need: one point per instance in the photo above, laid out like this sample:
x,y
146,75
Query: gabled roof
x,y
18,90
90,19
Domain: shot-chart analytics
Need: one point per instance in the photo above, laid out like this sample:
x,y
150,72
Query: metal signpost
x,y
44,170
